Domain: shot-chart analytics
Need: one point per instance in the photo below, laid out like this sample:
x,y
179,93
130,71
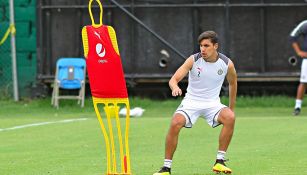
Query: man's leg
x,y
299,98
301,91
227,118
171,141
301,88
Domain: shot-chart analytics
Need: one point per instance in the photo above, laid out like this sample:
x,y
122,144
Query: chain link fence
x,y
17,82
6,81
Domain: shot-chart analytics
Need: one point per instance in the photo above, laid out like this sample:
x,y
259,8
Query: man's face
x,y
207,48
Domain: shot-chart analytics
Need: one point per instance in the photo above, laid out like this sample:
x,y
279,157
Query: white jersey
x,y
206,78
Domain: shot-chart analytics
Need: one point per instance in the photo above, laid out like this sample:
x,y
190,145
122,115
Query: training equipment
x,y
220,167
108,88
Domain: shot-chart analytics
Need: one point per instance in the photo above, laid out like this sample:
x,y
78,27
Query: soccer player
x,y
300,30
207,71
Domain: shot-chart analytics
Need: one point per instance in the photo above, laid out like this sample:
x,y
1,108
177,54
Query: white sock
x,y
298,103
221,155
167,163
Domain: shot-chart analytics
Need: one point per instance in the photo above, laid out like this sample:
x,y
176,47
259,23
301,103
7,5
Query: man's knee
x,y
178,121
227,116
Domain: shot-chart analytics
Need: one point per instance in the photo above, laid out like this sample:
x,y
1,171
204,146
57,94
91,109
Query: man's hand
x,y
176,92
302,54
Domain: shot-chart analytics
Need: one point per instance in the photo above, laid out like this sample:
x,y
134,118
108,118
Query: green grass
x,y
267,139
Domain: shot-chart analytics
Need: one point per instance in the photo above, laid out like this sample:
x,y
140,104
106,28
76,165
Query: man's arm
x,y
298,50
181,72
298,31
232,80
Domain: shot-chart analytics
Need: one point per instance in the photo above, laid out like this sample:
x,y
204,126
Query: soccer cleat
x,y
220,167
296,111
164,171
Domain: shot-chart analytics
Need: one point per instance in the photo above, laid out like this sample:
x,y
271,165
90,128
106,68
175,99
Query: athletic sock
x,y
221,155
167,163
298,103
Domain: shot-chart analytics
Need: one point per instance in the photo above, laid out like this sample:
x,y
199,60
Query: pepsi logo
x,y
100,50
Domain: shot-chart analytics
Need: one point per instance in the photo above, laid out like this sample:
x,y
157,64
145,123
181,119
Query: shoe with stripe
x,y
296,111
220,167
163,171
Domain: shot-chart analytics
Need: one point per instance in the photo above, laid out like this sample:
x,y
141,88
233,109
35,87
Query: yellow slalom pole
x,y
109,136
120,138
107,111
127,138
106,137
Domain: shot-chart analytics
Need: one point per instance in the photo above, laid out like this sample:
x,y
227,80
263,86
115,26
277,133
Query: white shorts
x,y
192,110
303,78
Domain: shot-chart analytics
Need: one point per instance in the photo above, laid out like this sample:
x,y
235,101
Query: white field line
x,y
42,123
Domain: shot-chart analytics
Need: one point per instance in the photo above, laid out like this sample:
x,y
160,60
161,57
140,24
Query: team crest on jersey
x,y
220,72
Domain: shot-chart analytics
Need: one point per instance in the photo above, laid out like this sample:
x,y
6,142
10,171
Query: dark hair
x,y
208,35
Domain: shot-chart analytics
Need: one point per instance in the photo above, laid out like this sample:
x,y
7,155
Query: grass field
x,y
268,140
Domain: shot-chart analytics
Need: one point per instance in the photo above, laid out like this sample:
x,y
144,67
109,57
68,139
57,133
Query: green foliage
x,y
263,101
5,93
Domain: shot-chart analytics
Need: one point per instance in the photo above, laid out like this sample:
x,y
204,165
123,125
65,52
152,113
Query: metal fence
x,y
18,51
155,36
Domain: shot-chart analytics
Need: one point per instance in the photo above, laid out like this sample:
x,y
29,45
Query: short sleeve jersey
x,y
300,31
